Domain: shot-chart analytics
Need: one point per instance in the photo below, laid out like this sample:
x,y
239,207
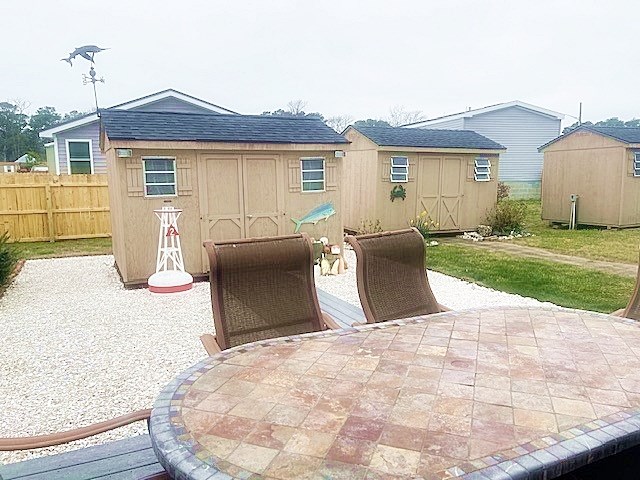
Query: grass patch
x,y
565,285
588,242
64,248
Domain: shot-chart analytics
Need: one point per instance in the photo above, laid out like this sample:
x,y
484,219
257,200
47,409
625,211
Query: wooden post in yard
x,y
47,189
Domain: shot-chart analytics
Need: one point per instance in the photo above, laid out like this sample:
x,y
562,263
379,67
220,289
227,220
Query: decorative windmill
x,y
87,52
170,276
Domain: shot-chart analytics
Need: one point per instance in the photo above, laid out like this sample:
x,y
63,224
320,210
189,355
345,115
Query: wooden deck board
x,y
343,312
128,459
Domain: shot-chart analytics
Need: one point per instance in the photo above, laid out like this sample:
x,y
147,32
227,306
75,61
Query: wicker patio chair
x,y
262,288
392,279
632,310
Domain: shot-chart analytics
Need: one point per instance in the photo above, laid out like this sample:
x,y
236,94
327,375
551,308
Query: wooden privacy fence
x,y
36,207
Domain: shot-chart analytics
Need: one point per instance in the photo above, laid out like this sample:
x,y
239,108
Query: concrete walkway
x,y
512,248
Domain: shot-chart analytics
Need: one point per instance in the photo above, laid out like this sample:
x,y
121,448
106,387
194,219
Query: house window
x,y
312,169
399,169
80,156
159,176
9,169
482,169
636,164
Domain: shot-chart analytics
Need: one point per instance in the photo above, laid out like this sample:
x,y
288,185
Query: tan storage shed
x,y
234,176
602,166
450,174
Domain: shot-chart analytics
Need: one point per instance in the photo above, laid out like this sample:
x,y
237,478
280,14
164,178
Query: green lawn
x,y
564,285
64,248
589,242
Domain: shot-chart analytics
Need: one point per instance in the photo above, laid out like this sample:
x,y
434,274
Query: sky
x,y
355,58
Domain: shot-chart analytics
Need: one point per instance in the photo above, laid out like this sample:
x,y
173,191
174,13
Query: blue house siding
x,y
172,104
522,132
455,124
90,131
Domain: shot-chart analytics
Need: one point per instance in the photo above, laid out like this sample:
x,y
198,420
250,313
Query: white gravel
x,y
77,348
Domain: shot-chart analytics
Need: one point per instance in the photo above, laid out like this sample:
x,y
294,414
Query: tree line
x,y
19,131
610,122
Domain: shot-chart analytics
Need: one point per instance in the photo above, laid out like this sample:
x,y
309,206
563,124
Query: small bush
x,y
423,224
8,258
507,216
503,190
369,226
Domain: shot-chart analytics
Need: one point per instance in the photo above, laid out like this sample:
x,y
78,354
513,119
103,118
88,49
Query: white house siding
x,y
522,132
90,131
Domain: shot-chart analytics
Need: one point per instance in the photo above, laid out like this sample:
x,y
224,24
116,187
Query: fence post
x,y
47,189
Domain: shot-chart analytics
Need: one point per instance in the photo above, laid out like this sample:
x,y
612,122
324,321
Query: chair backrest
x,y
633,307
392,279
262,288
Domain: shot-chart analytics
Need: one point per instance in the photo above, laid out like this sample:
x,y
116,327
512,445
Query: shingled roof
x,y
165,126
429,138
622,134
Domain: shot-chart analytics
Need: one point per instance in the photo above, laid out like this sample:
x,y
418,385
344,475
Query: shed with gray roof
x,y
394,174
234,176
599,164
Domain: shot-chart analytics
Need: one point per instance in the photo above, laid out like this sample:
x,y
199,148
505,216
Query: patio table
x,y
484,393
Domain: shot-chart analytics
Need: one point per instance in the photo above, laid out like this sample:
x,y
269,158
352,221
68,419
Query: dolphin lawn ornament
x,y
321,212
88,51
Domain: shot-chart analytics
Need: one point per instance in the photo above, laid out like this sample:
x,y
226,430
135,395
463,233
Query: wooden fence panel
x,y
36,207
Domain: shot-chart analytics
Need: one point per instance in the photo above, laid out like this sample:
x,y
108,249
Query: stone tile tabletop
x,y
501,393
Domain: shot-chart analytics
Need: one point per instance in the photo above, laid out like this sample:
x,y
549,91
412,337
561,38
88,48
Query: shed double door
x,y
440,181
241,196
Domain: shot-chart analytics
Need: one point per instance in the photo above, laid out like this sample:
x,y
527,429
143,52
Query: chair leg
x,y
210,344
330,322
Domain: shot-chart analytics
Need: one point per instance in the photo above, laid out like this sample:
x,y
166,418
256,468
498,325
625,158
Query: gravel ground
x,y
78,348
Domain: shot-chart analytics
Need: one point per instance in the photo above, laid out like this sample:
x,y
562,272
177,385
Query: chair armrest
x,y
618,313
443,308
210,344
27,443
330,322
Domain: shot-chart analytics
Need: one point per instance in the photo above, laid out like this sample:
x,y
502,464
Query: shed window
x,y
636,164
79,154
399,169
312,169
482,169
159,176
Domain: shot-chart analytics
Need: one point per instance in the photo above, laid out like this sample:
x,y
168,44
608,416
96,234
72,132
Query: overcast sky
x,y
355,58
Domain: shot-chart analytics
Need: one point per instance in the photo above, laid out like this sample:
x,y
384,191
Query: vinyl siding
x,y
91,132
521,131
454,124
172,104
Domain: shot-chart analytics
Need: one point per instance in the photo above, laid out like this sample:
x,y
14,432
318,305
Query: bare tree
x,y
296,107
339,122
398,116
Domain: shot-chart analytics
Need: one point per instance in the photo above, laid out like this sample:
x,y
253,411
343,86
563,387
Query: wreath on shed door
x,y
398,192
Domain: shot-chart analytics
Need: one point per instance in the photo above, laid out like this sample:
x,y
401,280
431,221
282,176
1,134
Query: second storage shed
x,y
393,174
234,176
602,166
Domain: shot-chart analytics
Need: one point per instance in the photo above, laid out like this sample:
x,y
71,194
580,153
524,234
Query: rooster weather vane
x,y
87,52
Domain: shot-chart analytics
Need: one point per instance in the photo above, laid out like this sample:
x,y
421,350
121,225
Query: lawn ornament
x,y
170,276
321,212
87,52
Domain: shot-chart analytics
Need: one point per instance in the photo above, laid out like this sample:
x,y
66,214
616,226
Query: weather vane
x,y
87,52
